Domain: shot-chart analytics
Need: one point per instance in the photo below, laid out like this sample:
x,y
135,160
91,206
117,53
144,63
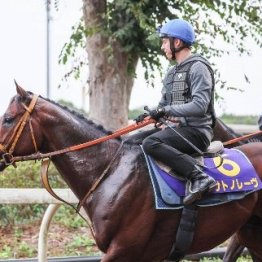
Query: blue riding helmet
x,y
178,28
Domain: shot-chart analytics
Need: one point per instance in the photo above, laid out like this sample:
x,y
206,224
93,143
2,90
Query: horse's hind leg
x,y
234,250
250,235
255,257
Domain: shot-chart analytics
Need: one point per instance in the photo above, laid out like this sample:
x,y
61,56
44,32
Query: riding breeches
x,y
172,150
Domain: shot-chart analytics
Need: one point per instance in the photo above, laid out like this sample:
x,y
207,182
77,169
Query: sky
x,y
23,57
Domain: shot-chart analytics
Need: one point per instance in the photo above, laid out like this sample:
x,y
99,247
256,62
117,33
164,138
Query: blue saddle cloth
x,y
236,178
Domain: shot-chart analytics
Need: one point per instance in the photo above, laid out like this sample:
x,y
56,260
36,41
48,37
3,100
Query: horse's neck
x,y
78,168
81,169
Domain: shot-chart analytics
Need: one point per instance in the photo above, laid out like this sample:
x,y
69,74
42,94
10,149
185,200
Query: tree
x,y
118,33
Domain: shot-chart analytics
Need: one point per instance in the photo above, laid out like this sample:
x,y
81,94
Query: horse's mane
x,y
77,114
229,129
133,139
256,138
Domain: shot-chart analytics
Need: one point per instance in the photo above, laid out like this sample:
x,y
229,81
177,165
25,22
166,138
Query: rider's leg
x,y
199,184
169,148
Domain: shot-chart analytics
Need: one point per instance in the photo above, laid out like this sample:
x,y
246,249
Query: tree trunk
x,y
110,85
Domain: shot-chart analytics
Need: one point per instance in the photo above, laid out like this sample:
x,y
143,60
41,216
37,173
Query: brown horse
x,y
126,225
252,230
224,133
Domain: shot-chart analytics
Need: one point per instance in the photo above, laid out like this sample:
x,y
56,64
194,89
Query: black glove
x,y
157,113
141,117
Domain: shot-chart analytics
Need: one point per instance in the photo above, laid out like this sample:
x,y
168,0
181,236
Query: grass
x,y
241,259
68,235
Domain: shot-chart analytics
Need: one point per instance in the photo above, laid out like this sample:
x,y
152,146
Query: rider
x,y
187,97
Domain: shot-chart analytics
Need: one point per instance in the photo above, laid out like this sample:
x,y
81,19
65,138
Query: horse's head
x,y
19,132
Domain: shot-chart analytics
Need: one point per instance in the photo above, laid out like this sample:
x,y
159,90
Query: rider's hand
x,y
157,113
141,117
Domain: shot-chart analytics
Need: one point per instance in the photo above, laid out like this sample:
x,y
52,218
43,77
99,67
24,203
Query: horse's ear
x,y
20,91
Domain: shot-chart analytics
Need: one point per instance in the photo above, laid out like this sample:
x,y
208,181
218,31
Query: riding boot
x,y
199,184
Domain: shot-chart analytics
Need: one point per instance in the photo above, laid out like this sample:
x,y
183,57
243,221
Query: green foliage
x,y
6,252
241,259
24,250
132,24
67,216
69,50
83,243
227,118
132,114
237,119
27,175
19,214
16,248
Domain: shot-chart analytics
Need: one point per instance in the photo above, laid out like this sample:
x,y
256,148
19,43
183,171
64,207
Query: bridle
x,y
9,147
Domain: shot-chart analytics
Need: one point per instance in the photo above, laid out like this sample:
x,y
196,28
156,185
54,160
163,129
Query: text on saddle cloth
x,y
236,174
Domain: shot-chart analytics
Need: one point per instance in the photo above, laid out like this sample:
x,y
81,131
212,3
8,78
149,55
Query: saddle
x,y
215,148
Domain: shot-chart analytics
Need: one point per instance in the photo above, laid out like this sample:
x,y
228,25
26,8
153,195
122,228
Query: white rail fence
x,y
244,129
39,196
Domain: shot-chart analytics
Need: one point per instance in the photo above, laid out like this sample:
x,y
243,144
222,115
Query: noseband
x,y
9,147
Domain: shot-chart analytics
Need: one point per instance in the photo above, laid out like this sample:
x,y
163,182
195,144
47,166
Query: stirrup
x,y
215,147
197,195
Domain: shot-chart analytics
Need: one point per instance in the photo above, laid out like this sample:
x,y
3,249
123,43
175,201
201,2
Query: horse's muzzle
x,y
3,161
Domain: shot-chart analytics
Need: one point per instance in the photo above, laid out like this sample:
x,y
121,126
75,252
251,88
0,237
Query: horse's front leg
x,y
234,250
132,245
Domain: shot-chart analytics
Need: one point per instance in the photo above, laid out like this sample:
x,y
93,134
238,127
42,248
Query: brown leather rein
x,y
237,139
9,159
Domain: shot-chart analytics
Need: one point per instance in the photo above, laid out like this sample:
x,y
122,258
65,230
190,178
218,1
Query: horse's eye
x,y
8,119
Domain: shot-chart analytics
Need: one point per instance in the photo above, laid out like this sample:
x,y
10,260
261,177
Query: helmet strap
x,y
173,49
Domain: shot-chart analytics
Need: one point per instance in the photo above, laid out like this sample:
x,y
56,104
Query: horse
x,y
125,223
237,244
224,133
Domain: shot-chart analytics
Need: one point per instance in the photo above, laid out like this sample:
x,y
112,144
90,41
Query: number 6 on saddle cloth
x,y
236,178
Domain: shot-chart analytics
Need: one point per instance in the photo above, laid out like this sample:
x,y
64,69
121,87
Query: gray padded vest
x,y
178,87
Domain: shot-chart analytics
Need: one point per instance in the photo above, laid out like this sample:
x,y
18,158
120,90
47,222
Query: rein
x,y
9,159
38,155
45,181
46,162
235,140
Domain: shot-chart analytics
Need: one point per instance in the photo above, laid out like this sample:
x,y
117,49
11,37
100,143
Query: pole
x,y
47,48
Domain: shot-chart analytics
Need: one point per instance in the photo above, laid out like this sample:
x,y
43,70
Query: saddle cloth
x,y
234,173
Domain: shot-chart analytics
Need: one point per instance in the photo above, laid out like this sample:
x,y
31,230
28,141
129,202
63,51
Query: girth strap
x,y
185,233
